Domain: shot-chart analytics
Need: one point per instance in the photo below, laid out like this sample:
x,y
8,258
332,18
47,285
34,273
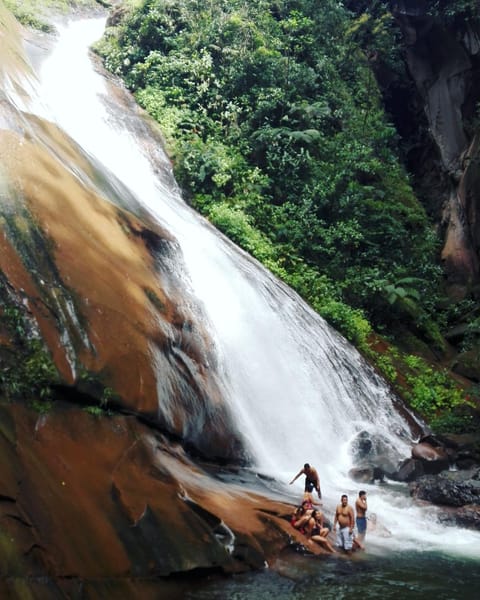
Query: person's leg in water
x,y
345,539
361,528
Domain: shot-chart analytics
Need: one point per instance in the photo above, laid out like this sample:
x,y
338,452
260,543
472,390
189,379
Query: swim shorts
x,y
361,524
345,538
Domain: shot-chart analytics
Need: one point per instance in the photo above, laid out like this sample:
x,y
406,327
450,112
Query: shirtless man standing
x,y
345,518
361,508
312,480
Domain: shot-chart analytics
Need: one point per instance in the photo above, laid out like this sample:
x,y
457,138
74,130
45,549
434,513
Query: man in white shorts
x,y
345,518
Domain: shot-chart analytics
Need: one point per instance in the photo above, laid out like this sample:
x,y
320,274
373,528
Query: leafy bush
x,y
27,368
236,225
385,363
433,392
96,411
455,421
454,9
276,128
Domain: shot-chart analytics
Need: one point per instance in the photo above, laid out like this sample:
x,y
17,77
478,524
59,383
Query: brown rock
x,y
429,453
94,289
87,497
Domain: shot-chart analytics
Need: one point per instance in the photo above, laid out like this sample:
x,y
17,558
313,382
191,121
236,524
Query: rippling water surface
x,y
397,576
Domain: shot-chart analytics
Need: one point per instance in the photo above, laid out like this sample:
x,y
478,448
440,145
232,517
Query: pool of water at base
x,y
398,576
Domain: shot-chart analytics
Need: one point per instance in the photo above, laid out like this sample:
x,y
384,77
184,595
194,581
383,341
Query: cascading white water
x,y
299,391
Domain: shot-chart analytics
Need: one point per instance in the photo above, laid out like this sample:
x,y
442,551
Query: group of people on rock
x,y
310,520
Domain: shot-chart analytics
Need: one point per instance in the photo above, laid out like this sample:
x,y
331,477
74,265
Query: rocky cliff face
x,y
93,316
444,62
90,278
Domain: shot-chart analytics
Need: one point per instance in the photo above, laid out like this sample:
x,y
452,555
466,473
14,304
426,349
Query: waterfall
x,y
299,392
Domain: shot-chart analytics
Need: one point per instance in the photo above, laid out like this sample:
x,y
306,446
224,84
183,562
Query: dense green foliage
x,y
273,116
430,390
457,10
276,126
444,10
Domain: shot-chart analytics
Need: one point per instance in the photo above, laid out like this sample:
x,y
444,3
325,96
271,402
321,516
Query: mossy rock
x,y
467,364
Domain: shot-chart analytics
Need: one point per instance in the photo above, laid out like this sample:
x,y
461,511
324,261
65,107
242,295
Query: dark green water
x,y
397,576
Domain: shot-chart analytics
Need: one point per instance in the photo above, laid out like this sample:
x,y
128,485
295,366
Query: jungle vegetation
x,y
276,126
34,13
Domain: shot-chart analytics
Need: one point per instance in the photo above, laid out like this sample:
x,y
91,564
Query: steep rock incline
x,y
90,277
84,498
95,503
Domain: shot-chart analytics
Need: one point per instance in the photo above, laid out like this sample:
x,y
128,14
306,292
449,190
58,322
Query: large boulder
x,y
467,516
365,474
409,470
433,459
86,273
373,456
450,488
466,447
429,453
434,454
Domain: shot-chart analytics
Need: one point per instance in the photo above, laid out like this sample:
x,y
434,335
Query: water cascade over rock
x,y
219,380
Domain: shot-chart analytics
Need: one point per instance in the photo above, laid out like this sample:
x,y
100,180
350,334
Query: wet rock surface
x,y
86,497
91,273
108,485
442,470
374,458
436,476
467,516
450,488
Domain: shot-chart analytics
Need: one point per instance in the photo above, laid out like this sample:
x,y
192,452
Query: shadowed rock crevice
x,y
444,62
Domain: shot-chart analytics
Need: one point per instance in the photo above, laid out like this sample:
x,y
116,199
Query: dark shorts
x,y
361,524
309,485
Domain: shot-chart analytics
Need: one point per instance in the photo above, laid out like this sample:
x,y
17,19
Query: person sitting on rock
x,y
301,516
317,530
308,500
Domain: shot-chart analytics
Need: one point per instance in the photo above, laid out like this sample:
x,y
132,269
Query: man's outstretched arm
x,y
297,476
